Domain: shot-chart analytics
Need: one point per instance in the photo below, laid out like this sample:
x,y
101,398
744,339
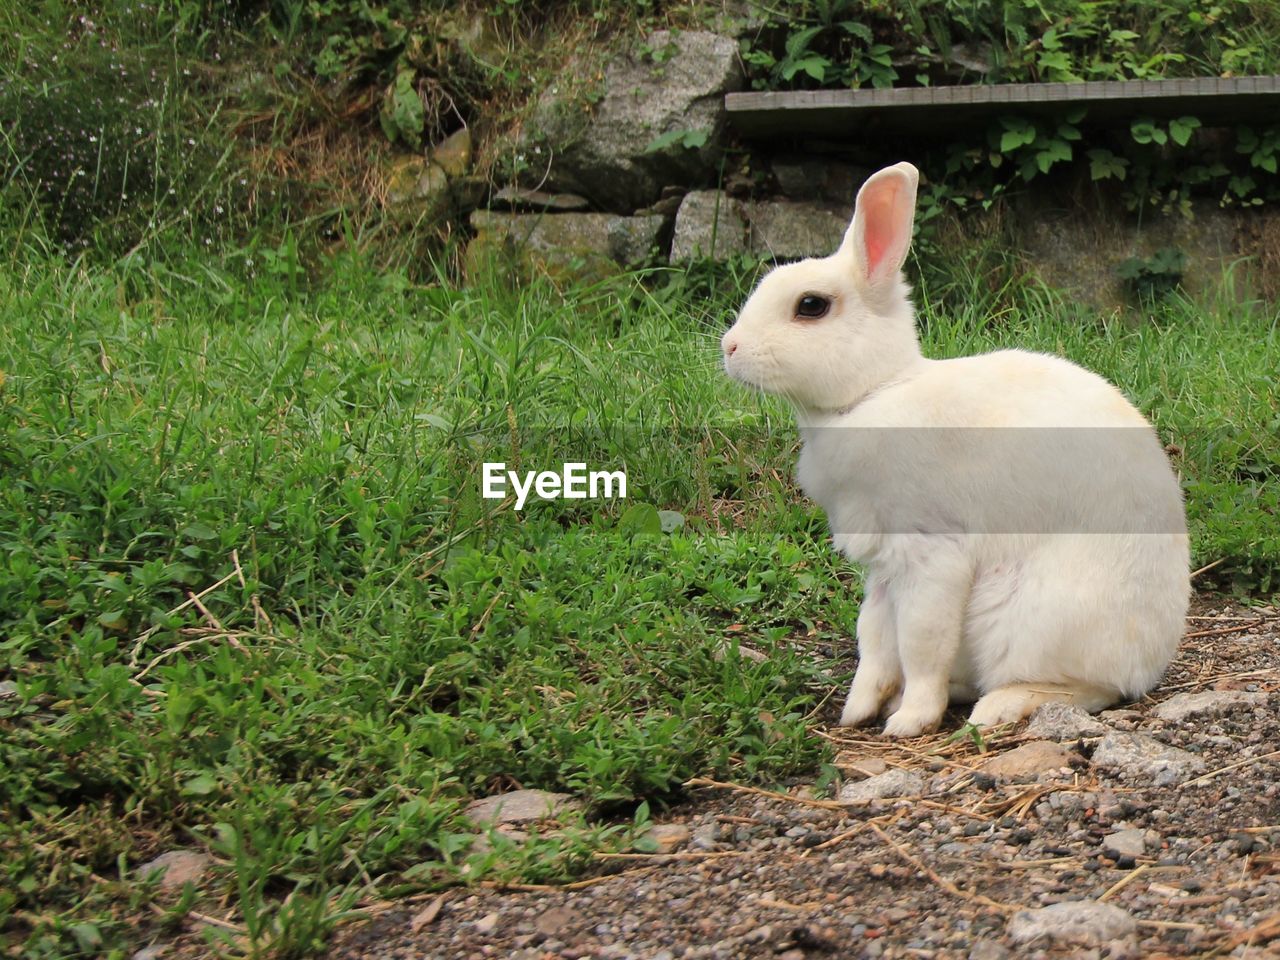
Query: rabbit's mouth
x,y
741,369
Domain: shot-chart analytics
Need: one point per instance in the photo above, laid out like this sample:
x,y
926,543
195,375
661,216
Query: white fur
x,y
1032,561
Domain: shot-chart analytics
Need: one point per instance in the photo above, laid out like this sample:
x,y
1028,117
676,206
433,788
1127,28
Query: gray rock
x,y
1084,922
453,153
1063,721
893,783
669,836
487,924
520,199
786,230
1126,843
1136,756
825,180
521,806
1209,703
416,188
1030,759
557,920
8,689
989,950
976,57
709,224
865,766
674,82
573,244
154,952
724,648
1079,250
178,868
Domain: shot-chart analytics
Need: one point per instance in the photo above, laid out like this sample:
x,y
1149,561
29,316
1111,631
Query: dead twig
x,y
1231,766
1171,924
575,885
1221,631
185,644
683,855
1209,566
1033,864
960,811
1264,932
739,788
427,914
1124,882
140,640
941,882
1204,681
216,922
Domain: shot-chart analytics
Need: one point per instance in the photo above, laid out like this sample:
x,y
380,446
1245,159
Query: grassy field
x,y
252,601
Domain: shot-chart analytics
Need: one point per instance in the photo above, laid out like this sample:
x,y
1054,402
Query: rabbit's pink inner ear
x,y
885,229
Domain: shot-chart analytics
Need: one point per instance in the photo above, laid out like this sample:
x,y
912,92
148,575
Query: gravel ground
x,y
938,850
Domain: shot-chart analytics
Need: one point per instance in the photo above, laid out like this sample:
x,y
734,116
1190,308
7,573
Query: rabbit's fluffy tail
x,y
1015,701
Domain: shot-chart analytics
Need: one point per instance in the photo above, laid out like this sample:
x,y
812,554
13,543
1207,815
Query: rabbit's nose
x,y
729,346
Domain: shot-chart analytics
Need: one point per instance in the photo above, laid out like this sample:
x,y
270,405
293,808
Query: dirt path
x,y
1176,851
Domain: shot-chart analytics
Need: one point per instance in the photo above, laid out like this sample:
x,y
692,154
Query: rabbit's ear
x,y
880,234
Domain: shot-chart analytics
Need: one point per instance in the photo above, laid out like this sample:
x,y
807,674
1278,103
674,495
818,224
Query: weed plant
x,y
114,132
251,598
252,601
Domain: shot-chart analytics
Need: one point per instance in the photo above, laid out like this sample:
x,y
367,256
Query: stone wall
x,y
627,173
630,167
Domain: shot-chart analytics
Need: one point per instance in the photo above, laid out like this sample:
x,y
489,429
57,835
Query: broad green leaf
x,y
665,140
402,116
640,519
670,520
693,139
1103,164
201,785
1181,129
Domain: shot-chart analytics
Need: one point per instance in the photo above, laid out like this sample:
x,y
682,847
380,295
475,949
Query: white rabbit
x,y
1022,529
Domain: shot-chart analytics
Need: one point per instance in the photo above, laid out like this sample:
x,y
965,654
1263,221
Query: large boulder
x,y
416,189
709,223
656,117
785,230
564,246
826,179
430,189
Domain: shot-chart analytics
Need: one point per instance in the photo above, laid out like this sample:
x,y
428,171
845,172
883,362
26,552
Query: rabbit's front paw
x,y
908,722
873,684
859,710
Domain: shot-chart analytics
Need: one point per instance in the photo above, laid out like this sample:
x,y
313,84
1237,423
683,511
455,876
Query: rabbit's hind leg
x,y
1014,701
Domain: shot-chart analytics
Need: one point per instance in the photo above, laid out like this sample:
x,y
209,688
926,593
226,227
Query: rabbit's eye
x,y
812,307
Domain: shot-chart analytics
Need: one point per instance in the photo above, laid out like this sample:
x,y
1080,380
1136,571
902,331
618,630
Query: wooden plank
x,y
927,111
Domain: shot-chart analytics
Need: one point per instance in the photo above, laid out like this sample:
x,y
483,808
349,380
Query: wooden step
x,y
926,111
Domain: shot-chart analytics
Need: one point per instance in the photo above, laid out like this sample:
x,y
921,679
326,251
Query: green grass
x,y
374,643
